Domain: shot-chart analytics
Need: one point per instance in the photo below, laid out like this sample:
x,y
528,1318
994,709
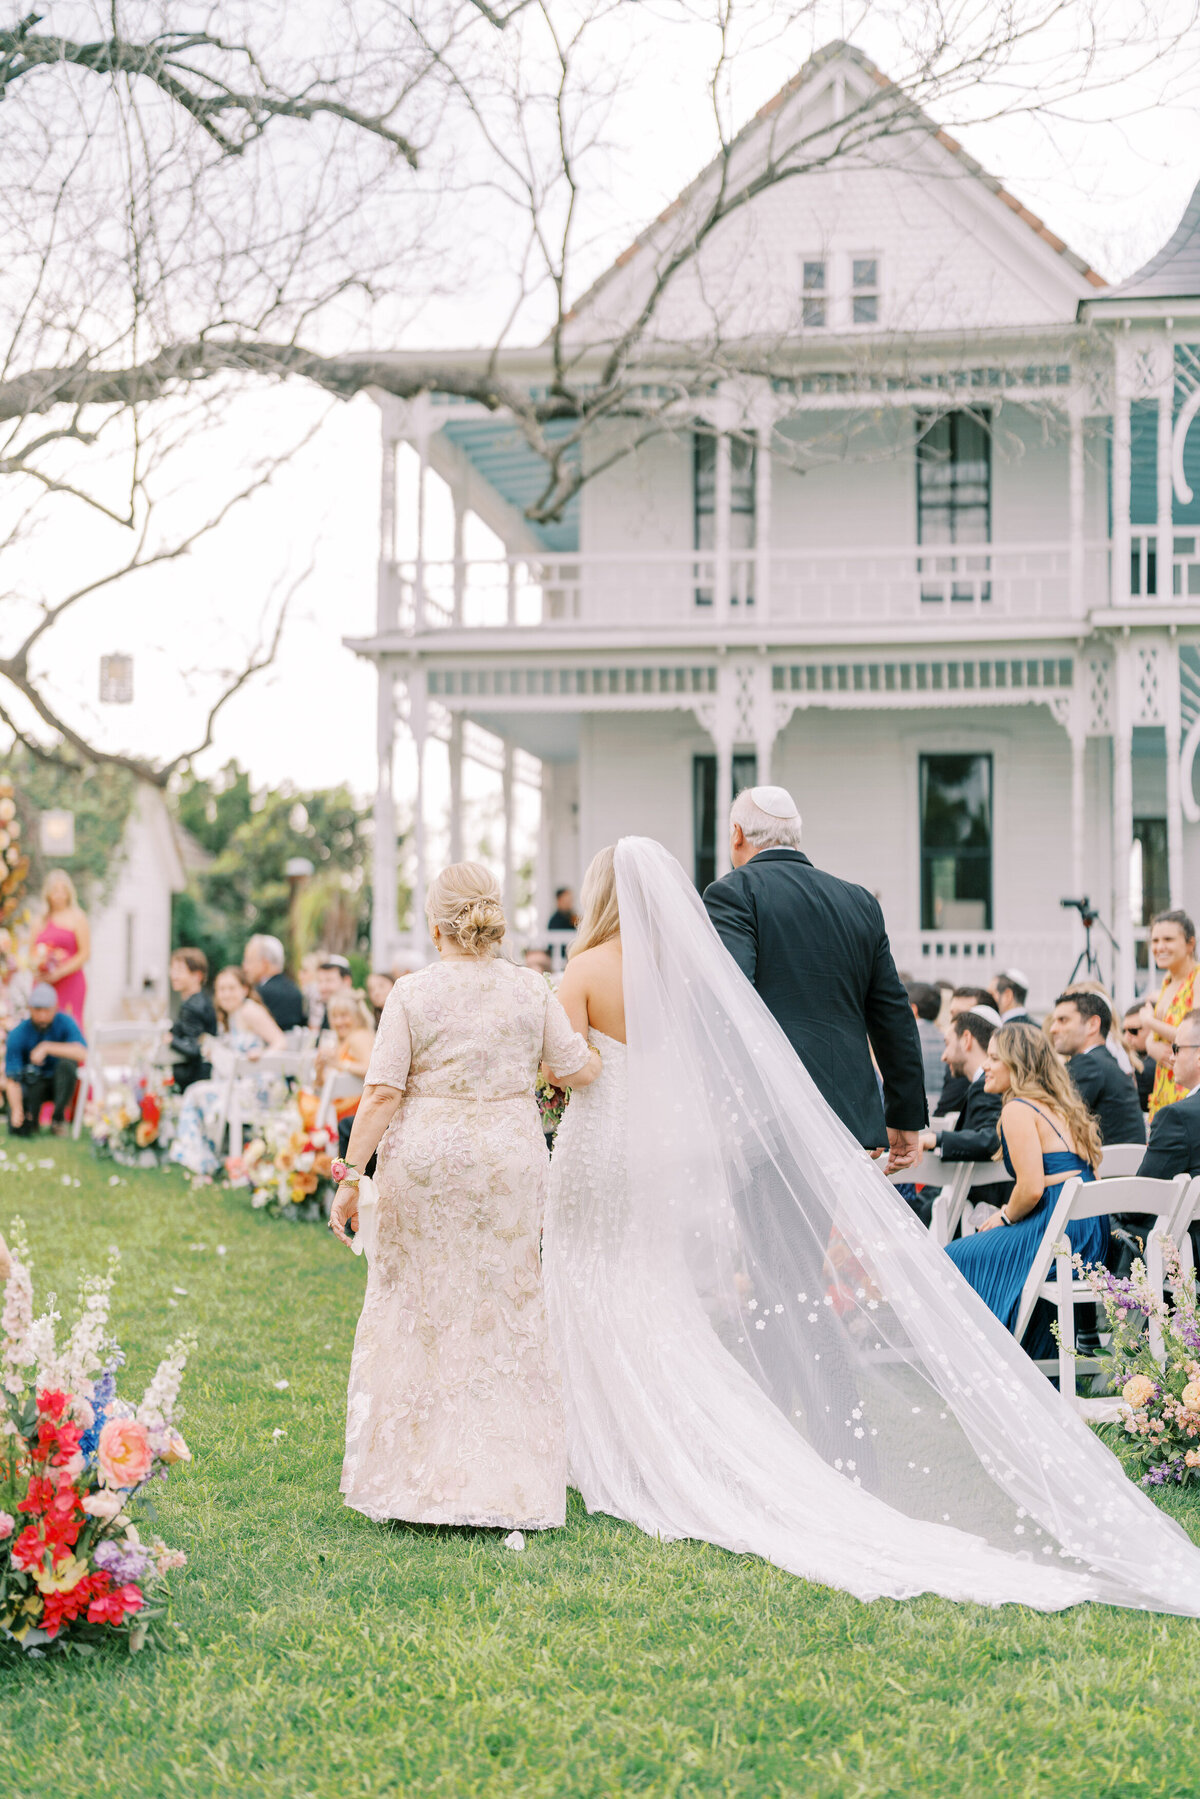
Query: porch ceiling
x,y
496,449
550,736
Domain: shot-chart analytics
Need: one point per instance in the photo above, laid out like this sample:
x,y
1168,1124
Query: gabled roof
x,y
830,53
1174,272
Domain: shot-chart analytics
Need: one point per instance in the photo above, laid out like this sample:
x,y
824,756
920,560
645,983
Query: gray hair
x,y
760,830
270,949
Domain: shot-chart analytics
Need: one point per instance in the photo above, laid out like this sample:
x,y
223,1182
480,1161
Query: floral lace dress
x,y
455,1407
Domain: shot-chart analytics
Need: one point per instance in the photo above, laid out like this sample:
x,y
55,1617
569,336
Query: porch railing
x,y
971,958
687,588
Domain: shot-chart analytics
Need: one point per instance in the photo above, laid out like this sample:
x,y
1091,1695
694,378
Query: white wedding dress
x,y
762,1348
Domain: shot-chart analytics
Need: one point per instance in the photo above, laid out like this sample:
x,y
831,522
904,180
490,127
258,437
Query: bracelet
x,y
1004,1217
344,1173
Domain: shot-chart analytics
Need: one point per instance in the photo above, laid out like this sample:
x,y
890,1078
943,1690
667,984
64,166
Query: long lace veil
x,y
845,1361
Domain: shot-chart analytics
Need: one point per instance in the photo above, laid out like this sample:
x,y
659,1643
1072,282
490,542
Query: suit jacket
x,y
816,949
953,1096
197,1018
284,1001
977,1136
1174,1146
1110,1094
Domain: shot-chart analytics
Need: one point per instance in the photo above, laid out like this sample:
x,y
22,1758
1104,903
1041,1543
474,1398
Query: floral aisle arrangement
x,y
1161,1409
134,1122
288,1170
74,1460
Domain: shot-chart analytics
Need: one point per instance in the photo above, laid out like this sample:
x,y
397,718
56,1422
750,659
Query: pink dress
x,y
64,944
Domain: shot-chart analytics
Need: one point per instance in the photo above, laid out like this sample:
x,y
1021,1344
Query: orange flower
x,y
304,1184
146,1133
324,1167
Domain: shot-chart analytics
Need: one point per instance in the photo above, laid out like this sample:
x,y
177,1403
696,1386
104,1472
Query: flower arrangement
x,y
134,1122
551,1103
289,1171
74,1458
1161,1409
14,863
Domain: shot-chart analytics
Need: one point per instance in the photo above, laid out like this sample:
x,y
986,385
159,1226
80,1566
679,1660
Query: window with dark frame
x,y
704,810
1150,863
956,842
743,475
954,503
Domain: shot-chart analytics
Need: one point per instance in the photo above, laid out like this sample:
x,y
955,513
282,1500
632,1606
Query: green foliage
x,y
251,837
317,1656
101,799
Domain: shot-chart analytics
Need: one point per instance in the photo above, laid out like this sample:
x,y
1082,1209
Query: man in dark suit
x,y
974,1138
954,1086
262,964
1010,991
1136,1039
1079,1029
1174,1146
817,951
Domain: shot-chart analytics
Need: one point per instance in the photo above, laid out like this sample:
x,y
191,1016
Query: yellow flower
x,y
66,1575
1138,1390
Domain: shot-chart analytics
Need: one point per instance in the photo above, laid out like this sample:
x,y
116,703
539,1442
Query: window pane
x,y
814,312
954,480
956,843
864,273
814,275
866,309
704,810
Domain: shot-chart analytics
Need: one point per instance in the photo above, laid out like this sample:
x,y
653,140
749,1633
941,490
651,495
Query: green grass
x,y
313,1653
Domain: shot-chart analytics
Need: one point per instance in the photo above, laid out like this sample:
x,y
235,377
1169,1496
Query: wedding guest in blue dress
x,y
1047,1136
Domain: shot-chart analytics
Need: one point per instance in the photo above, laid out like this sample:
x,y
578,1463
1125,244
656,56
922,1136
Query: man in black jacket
x,y
974,1138
954,1086
1174,1146
1078,1030
262,964
817,951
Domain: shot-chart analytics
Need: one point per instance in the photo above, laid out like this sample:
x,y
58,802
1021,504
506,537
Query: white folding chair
x,y
281,1064
1157,1201
144,1034
1187,1213
1119,1160
337,1085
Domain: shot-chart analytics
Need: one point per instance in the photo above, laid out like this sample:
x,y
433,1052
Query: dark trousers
x,y
55,1081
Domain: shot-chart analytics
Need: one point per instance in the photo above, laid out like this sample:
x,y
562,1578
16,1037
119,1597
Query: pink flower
x,y
124,1453
6,1524
1137,1390
104,1504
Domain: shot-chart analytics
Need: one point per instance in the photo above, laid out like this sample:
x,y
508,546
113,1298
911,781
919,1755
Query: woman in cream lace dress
x,y
455,1406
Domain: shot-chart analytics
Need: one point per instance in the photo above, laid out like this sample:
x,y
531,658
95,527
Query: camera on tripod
x,y
1085,909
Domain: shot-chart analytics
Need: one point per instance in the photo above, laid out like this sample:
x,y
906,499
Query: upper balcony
x,y
827,590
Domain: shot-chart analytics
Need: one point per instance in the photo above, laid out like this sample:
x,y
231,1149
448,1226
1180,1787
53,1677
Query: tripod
x,y
1086,962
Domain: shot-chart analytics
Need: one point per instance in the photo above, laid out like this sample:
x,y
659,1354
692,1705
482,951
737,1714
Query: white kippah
x,y
776,802
986,1012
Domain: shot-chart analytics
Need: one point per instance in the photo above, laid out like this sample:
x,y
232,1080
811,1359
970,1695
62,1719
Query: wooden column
x,y
1173,732
456,793
1122,751
1165,496
384,874
1075,509
507,885
1121,476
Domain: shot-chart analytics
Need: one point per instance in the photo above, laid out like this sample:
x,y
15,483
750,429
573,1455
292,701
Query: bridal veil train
x,y
762,1347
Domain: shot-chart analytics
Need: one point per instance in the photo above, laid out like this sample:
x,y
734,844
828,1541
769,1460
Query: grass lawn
x,y
314,1653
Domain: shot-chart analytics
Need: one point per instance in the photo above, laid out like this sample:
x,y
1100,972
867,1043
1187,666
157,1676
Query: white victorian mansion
x,y
931,559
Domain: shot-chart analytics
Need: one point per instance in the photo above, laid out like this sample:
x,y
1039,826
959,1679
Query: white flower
x,y
281,1386
157,1409
105,1503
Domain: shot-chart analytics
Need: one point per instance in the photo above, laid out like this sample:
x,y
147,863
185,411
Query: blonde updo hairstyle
x,y
464,905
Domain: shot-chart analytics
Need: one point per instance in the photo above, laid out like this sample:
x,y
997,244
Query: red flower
x,y
151,1110
63,1608
52,1403
28,1549
69,1437
40,1495
115,1607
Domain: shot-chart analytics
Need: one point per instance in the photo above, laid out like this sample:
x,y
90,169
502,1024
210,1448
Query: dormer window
x,y
814,293
864,290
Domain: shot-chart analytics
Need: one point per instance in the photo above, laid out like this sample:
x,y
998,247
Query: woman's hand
x,y
345,1210
990,1224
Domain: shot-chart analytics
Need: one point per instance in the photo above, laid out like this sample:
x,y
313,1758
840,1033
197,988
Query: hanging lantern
x,y
56,835
116,680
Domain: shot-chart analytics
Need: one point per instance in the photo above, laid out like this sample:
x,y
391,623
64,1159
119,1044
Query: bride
x,y
761,1346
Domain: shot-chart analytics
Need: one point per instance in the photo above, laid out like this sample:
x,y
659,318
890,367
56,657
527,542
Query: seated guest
x,y
1078,1029
196,1017
1047,1136
245,1028
41,1063
1135,1037
975,1137
1009,993
563,917
378,987
1174,1146
954,1086
353,1034
1116,1048
333,977
262,967
926,1003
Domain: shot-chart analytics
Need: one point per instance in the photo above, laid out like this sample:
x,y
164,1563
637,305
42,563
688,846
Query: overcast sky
x,y
1112,181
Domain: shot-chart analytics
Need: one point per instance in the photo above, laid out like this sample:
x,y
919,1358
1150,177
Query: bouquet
x,y
551,1103
289,1171
1161,1409
74,1459
134,1123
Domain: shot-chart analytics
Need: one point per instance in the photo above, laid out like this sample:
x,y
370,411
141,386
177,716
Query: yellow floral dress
x,y
1165,1092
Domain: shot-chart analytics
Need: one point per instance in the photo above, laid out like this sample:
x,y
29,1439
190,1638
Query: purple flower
x,y
123,1564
